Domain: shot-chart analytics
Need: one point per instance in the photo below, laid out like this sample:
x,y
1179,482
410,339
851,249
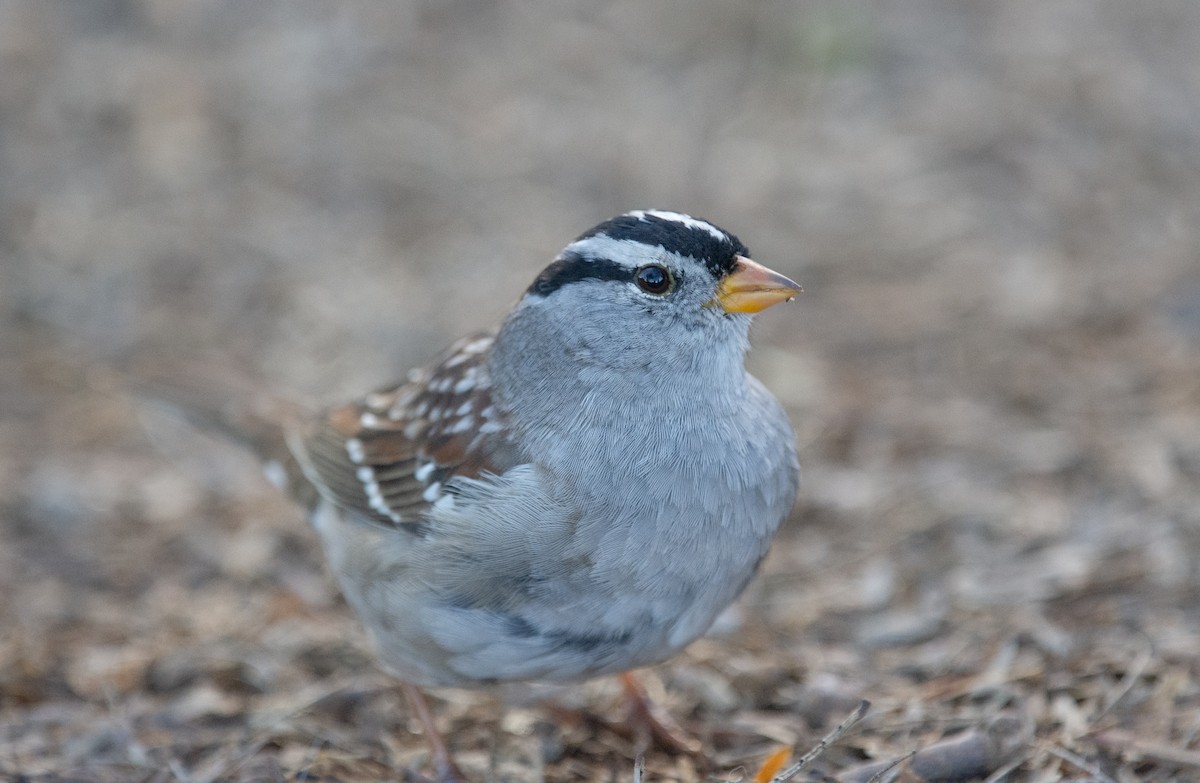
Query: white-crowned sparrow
x,y
577,493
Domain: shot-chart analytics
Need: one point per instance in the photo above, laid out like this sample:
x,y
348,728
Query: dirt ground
x,y
994,372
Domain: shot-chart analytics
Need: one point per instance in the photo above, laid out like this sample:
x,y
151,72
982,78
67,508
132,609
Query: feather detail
x,y
394,454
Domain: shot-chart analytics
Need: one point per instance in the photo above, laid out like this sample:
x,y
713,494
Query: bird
x,y
576,493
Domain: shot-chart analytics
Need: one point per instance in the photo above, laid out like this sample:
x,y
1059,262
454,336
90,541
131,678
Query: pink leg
x,y
443,764
652,726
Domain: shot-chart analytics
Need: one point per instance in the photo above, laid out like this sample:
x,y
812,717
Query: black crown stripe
x,y
718,254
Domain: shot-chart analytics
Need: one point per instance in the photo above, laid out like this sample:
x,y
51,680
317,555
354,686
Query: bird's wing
x,y
390,455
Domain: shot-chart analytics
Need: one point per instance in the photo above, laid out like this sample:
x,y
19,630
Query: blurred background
x,y
994,372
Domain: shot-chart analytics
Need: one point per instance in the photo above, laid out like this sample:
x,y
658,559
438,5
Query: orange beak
x,y
751,288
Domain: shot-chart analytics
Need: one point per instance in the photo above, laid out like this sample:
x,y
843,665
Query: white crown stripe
x,y
625,252
679,217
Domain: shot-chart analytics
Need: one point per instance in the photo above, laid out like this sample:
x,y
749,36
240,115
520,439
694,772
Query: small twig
x,y
892,771
1075,760
1126,744
237,757
639,768
999,774
1132,674
229,760
826,741
176,768
314,752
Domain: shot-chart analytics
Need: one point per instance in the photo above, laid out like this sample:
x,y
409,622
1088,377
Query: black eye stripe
x,y
572,268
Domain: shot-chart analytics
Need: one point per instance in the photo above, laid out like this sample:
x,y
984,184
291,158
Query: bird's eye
x,y
654,279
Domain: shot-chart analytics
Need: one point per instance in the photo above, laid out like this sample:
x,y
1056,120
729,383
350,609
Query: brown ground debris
x,y
994,372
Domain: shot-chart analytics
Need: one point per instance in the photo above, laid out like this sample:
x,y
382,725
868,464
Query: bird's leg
x,y
652,726
443,763
645,725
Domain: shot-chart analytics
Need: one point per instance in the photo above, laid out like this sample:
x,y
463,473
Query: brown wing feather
x,y
389,455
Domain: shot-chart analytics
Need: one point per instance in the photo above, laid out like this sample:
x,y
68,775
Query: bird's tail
x,y
220,400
